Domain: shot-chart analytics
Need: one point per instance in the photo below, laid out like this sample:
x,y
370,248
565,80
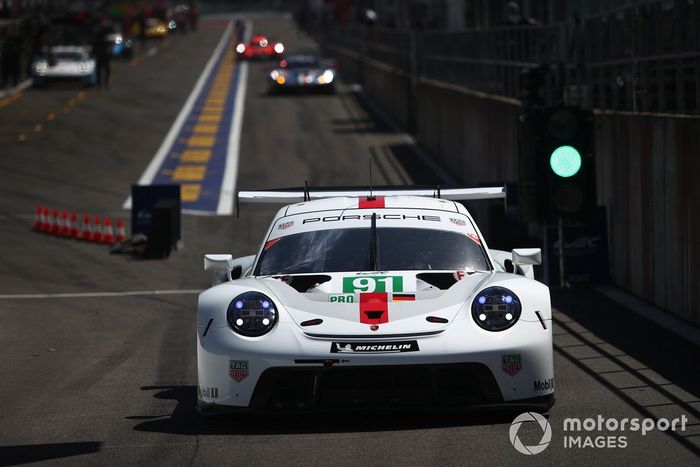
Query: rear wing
x,y
298,195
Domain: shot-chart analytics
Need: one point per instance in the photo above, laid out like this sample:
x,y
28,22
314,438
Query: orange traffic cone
x,y
96,229
74,232
65,228
38,219
120,235
56,227
107,231
86,229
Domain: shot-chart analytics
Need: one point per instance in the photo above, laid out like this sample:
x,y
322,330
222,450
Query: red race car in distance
x,y
259,46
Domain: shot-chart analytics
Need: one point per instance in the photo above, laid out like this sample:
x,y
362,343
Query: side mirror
x,y
226,268
222,265
527,256
525,259
218,263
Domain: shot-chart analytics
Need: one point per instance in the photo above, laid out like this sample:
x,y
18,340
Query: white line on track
x,y
20,87
167,143
130,293
228,184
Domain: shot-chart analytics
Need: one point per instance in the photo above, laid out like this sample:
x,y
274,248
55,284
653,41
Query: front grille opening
x,y
374,387
293,391
447,385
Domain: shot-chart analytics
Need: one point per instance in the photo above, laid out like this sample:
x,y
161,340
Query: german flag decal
x,y
403,297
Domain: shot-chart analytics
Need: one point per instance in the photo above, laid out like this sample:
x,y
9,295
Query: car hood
x,y
390,303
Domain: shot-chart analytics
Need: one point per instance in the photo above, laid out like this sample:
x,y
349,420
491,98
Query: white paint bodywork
x,y
67,68
460,340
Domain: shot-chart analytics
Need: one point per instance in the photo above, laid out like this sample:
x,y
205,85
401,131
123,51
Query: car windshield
x,y
68,56
297,64
349,250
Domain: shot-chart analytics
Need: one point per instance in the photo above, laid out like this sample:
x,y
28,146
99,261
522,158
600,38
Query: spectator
x,y
514,17
11,58
194,16
102,50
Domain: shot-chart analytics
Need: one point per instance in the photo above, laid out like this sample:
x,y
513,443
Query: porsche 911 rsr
x,y
259,46
64,63
302,72
354,301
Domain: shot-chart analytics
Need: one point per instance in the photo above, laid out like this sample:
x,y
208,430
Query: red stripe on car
x,y
271,242
376,202
374,308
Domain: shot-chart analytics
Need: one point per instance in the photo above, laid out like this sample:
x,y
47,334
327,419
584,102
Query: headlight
x,y
326,77
118,40
41,67
172,24
274,74
279,48
252,314
240,48
496,309
83,66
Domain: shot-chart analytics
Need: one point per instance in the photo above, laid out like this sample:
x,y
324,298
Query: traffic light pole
x,y
562,273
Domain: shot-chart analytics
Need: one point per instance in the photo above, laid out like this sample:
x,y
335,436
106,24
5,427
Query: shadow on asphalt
x,y
185,419
27,453
627,347
298,92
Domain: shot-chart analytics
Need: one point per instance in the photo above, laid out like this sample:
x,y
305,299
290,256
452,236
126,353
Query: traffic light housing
x,y
557,163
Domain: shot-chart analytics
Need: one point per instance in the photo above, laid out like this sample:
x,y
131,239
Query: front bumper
x,y
288,370
468,386
259,53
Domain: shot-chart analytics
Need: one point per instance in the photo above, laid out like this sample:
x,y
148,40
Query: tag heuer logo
x,y
511,363
238,370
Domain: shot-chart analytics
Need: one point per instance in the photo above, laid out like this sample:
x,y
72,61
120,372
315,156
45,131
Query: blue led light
x,y
265,304
509,299
482,300
239,304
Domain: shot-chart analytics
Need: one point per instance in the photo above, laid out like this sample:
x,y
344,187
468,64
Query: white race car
x,y
391,300
64,63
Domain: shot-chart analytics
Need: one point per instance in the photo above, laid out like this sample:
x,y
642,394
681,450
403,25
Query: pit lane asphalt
x,y
113,380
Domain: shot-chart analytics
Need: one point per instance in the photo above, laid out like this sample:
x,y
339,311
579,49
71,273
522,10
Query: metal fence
x,y
644,58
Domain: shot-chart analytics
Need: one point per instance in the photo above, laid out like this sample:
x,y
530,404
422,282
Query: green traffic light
x,y
565,161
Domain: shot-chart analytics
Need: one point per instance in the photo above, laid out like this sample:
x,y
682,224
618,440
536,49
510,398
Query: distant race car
x,y
356,301
64,63
122,45
303,72
260,47
155,27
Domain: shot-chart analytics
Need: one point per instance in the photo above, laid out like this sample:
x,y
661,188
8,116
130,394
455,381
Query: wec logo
x,y
526,418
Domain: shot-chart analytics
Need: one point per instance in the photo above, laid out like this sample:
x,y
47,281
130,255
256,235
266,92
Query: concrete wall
x,y
647,168
388,86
